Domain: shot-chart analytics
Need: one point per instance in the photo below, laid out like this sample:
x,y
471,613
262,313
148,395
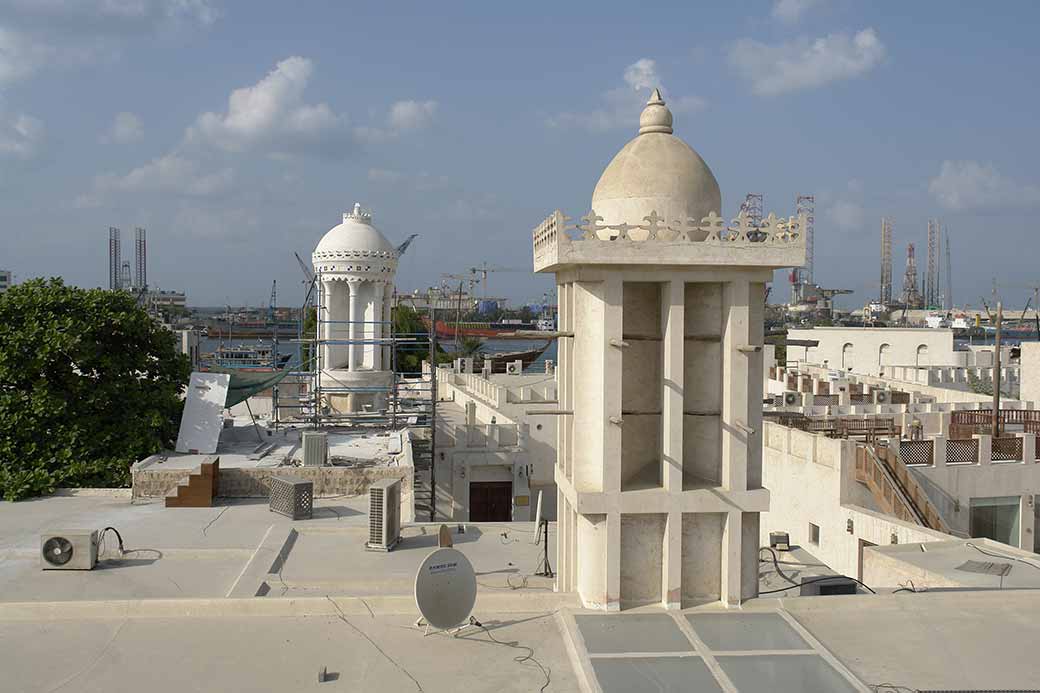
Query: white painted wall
x,y
811,479
861,348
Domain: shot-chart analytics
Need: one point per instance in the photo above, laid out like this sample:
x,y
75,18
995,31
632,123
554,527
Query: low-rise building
x,y
168,299
494,452
6,280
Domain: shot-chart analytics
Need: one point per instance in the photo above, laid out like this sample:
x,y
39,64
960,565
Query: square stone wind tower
x,y
659,455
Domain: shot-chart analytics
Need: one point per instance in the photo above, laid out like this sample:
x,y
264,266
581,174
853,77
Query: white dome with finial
x,y
656,172
355,249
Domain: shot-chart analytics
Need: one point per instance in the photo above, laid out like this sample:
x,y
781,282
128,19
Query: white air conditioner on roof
x,y
315,448
74,549
514,368
791,397
384,514
880,396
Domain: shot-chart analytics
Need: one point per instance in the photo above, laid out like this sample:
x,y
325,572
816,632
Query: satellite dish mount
x,y
541,534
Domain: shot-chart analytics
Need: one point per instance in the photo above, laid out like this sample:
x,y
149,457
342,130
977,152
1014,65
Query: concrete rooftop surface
x,y
235,597
238,444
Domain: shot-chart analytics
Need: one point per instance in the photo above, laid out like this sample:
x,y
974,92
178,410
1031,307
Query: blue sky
x,y
238,132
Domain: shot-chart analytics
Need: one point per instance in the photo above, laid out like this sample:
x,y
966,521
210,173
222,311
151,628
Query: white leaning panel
x,y
203,413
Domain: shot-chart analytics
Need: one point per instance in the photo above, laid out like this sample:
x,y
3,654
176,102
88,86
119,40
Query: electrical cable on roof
x,y
1001,555
776,564
519,659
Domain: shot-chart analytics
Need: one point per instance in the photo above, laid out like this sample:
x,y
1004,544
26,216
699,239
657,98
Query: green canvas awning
x,y
244,384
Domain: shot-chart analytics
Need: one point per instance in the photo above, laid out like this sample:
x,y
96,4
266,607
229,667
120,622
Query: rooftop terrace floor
x,y
182,613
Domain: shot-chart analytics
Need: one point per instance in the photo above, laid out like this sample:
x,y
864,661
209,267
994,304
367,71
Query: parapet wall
x,y
236,482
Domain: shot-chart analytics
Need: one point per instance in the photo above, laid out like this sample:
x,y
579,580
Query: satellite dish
x,y
445,589
538,519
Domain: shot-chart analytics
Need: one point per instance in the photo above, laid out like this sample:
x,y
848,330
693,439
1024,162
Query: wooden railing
x,y
867,429
965,423
894,488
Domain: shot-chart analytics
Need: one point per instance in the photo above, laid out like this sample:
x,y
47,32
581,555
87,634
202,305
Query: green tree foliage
x,y
89,384
470,347
408,325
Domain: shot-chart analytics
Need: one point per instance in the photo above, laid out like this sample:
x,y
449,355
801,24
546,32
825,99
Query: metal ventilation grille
x,y
384,514
315,448
376,502
293,497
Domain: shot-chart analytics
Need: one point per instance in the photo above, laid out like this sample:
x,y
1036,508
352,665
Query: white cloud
x,y
21,136
20,55
411,115
272,114
846,215
642,74
115,15
169,174
790,11
622,105
963,185
39,34
268,118
126,128
805,64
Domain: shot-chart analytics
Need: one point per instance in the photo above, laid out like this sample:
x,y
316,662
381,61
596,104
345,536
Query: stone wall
x,y
237,482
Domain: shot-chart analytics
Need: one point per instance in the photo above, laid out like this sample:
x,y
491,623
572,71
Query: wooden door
x,y
491,501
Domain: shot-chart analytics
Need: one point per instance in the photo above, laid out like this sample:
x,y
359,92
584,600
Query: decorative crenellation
x,y
712,230
347,254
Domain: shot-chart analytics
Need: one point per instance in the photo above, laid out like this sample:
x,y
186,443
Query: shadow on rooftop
x,y
429,540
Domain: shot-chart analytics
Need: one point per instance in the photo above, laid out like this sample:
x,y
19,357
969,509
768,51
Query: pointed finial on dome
x,y
358,214
655,117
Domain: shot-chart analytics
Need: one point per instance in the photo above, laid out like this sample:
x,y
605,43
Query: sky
x,y
239,132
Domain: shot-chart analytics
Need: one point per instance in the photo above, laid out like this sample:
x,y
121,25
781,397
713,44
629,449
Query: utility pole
x,y
996,373
433,408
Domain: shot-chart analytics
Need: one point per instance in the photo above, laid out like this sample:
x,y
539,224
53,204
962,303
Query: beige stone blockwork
x,y
642,546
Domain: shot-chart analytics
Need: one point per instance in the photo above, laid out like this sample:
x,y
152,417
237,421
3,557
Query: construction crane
x,y
307,270
483,272
404,246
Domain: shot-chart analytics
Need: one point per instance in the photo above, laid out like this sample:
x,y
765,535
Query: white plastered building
x,y
659,462
354,266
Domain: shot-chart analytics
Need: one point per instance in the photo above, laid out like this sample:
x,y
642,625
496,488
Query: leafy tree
x,y
410,355
470,347
89,384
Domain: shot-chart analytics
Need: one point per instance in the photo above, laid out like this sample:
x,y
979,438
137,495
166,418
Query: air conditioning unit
x,y
880,396
467,365
315,448
514,368
74,549
781,541
791,398
384,514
